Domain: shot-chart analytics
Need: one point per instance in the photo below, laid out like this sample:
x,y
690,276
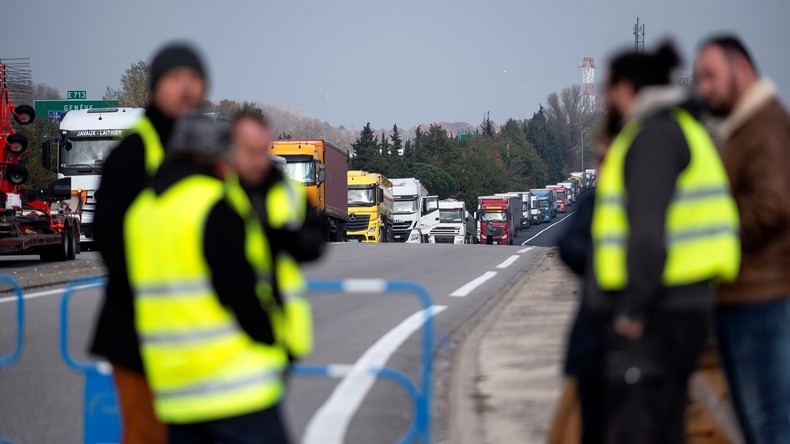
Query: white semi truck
x,y
416,213
85,139
456,226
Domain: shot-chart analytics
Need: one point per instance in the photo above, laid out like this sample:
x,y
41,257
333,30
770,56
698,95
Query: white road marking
x,y
41,294
364,285
549,227
524,250
474,283
329,424
509,261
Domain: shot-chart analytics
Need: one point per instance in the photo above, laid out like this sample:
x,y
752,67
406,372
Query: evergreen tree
x,y
487,127
397,141
365,149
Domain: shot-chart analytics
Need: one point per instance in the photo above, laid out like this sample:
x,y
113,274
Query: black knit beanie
x,y
177,55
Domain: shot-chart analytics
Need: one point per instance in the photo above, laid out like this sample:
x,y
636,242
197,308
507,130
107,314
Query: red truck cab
x,y
562,197
496,218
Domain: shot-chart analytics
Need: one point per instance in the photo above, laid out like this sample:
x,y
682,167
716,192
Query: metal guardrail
x,y
102,422
14,354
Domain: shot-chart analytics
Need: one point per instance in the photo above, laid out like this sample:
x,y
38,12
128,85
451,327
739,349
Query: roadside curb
x,y
469,404
54,274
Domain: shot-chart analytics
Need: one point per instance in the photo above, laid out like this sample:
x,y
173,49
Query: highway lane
x,y
19,263
40,399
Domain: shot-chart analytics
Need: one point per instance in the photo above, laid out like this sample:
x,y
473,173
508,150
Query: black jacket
x,y
123,177
585,349
657,156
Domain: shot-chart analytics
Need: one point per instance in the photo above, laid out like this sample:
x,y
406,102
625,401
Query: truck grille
x,y
360,222
445,230
444,239
401,231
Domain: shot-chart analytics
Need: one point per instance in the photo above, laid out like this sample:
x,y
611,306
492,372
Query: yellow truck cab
x,y
370,208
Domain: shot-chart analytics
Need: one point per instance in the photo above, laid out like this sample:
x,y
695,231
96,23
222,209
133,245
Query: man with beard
x,y
664,227
753,314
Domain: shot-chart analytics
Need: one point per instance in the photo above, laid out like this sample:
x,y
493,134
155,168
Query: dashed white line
x,y
524,250
509,261
329,424
474,283
549,227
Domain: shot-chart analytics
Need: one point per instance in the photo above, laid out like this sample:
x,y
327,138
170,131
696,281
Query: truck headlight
x,y
372,230
414,237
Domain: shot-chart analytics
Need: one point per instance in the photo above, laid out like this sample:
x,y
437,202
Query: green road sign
x,y
77,95
53,109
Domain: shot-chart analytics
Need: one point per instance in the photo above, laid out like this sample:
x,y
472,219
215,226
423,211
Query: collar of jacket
x,y
653,99
755,99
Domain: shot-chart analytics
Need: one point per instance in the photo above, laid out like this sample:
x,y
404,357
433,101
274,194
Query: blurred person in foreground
x,y
178,85
295,231
753,313
665,227
585,351
200,268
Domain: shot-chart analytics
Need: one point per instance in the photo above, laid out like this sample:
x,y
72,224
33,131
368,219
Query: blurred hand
x,y
629,328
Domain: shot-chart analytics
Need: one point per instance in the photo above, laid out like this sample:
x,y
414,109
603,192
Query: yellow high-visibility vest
x,y
154,151
286,204
201,366
701,229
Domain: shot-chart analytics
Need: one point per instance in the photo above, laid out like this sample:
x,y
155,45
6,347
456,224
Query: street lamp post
x,y
583,131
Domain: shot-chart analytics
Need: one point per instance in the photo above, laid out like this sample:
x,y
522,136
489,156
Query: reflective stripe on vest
x,y
701,227
201,366
286,203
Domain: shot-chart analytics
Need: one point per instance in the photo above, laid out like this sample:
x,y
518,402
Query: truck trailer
x,y
370,205
322,167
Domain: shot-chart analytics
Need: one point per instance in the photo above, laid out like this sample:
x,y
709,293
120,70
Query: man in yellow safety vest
x,y
664,228
200,268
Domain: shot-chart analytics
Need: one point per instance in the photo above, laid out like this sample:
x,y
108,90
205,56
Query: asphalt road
x,y
40,398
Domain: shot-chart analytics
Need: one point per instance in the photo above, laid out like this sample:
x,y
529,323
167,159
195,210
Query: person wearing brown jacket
x,y
753,314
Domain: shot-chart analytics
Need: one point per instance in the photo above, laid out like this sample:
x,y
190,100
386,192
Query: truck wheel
x,y
17,143
24,114
71,246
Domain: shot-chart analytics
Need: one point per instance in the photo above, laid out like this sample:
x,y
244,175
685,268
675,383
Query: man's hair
x,y
645,69
732,46
254,114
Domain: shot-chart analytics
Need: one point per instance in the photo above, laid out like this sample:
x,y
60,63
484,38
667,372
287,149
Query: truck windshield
x,y
86,153
560,194
361,197
301,171
405,206
543,203
494,216
451,216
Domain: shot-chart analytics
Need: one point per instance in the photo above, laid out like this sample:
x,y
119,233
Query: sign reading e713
x,y
77,95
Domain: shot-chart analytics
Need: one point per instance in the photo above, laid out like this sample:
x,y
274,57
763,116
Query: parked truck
x,y
569,188
45,222
370,208
498,216
456,226
534,209
416,213
546,205
522,221
561,196
593,177
86,138
323,169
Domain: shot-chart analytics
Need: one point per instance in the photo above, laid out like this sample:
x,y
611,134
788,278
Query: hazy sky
x,y
405,61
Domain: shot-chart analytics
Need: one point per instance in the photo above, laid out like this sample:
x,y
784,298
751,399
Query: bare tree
x,y
134,89
42,91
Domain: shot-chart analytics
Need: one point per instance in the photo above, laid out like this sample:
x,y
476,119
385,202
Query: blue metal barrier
x,y
14,354
420,427
102,422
